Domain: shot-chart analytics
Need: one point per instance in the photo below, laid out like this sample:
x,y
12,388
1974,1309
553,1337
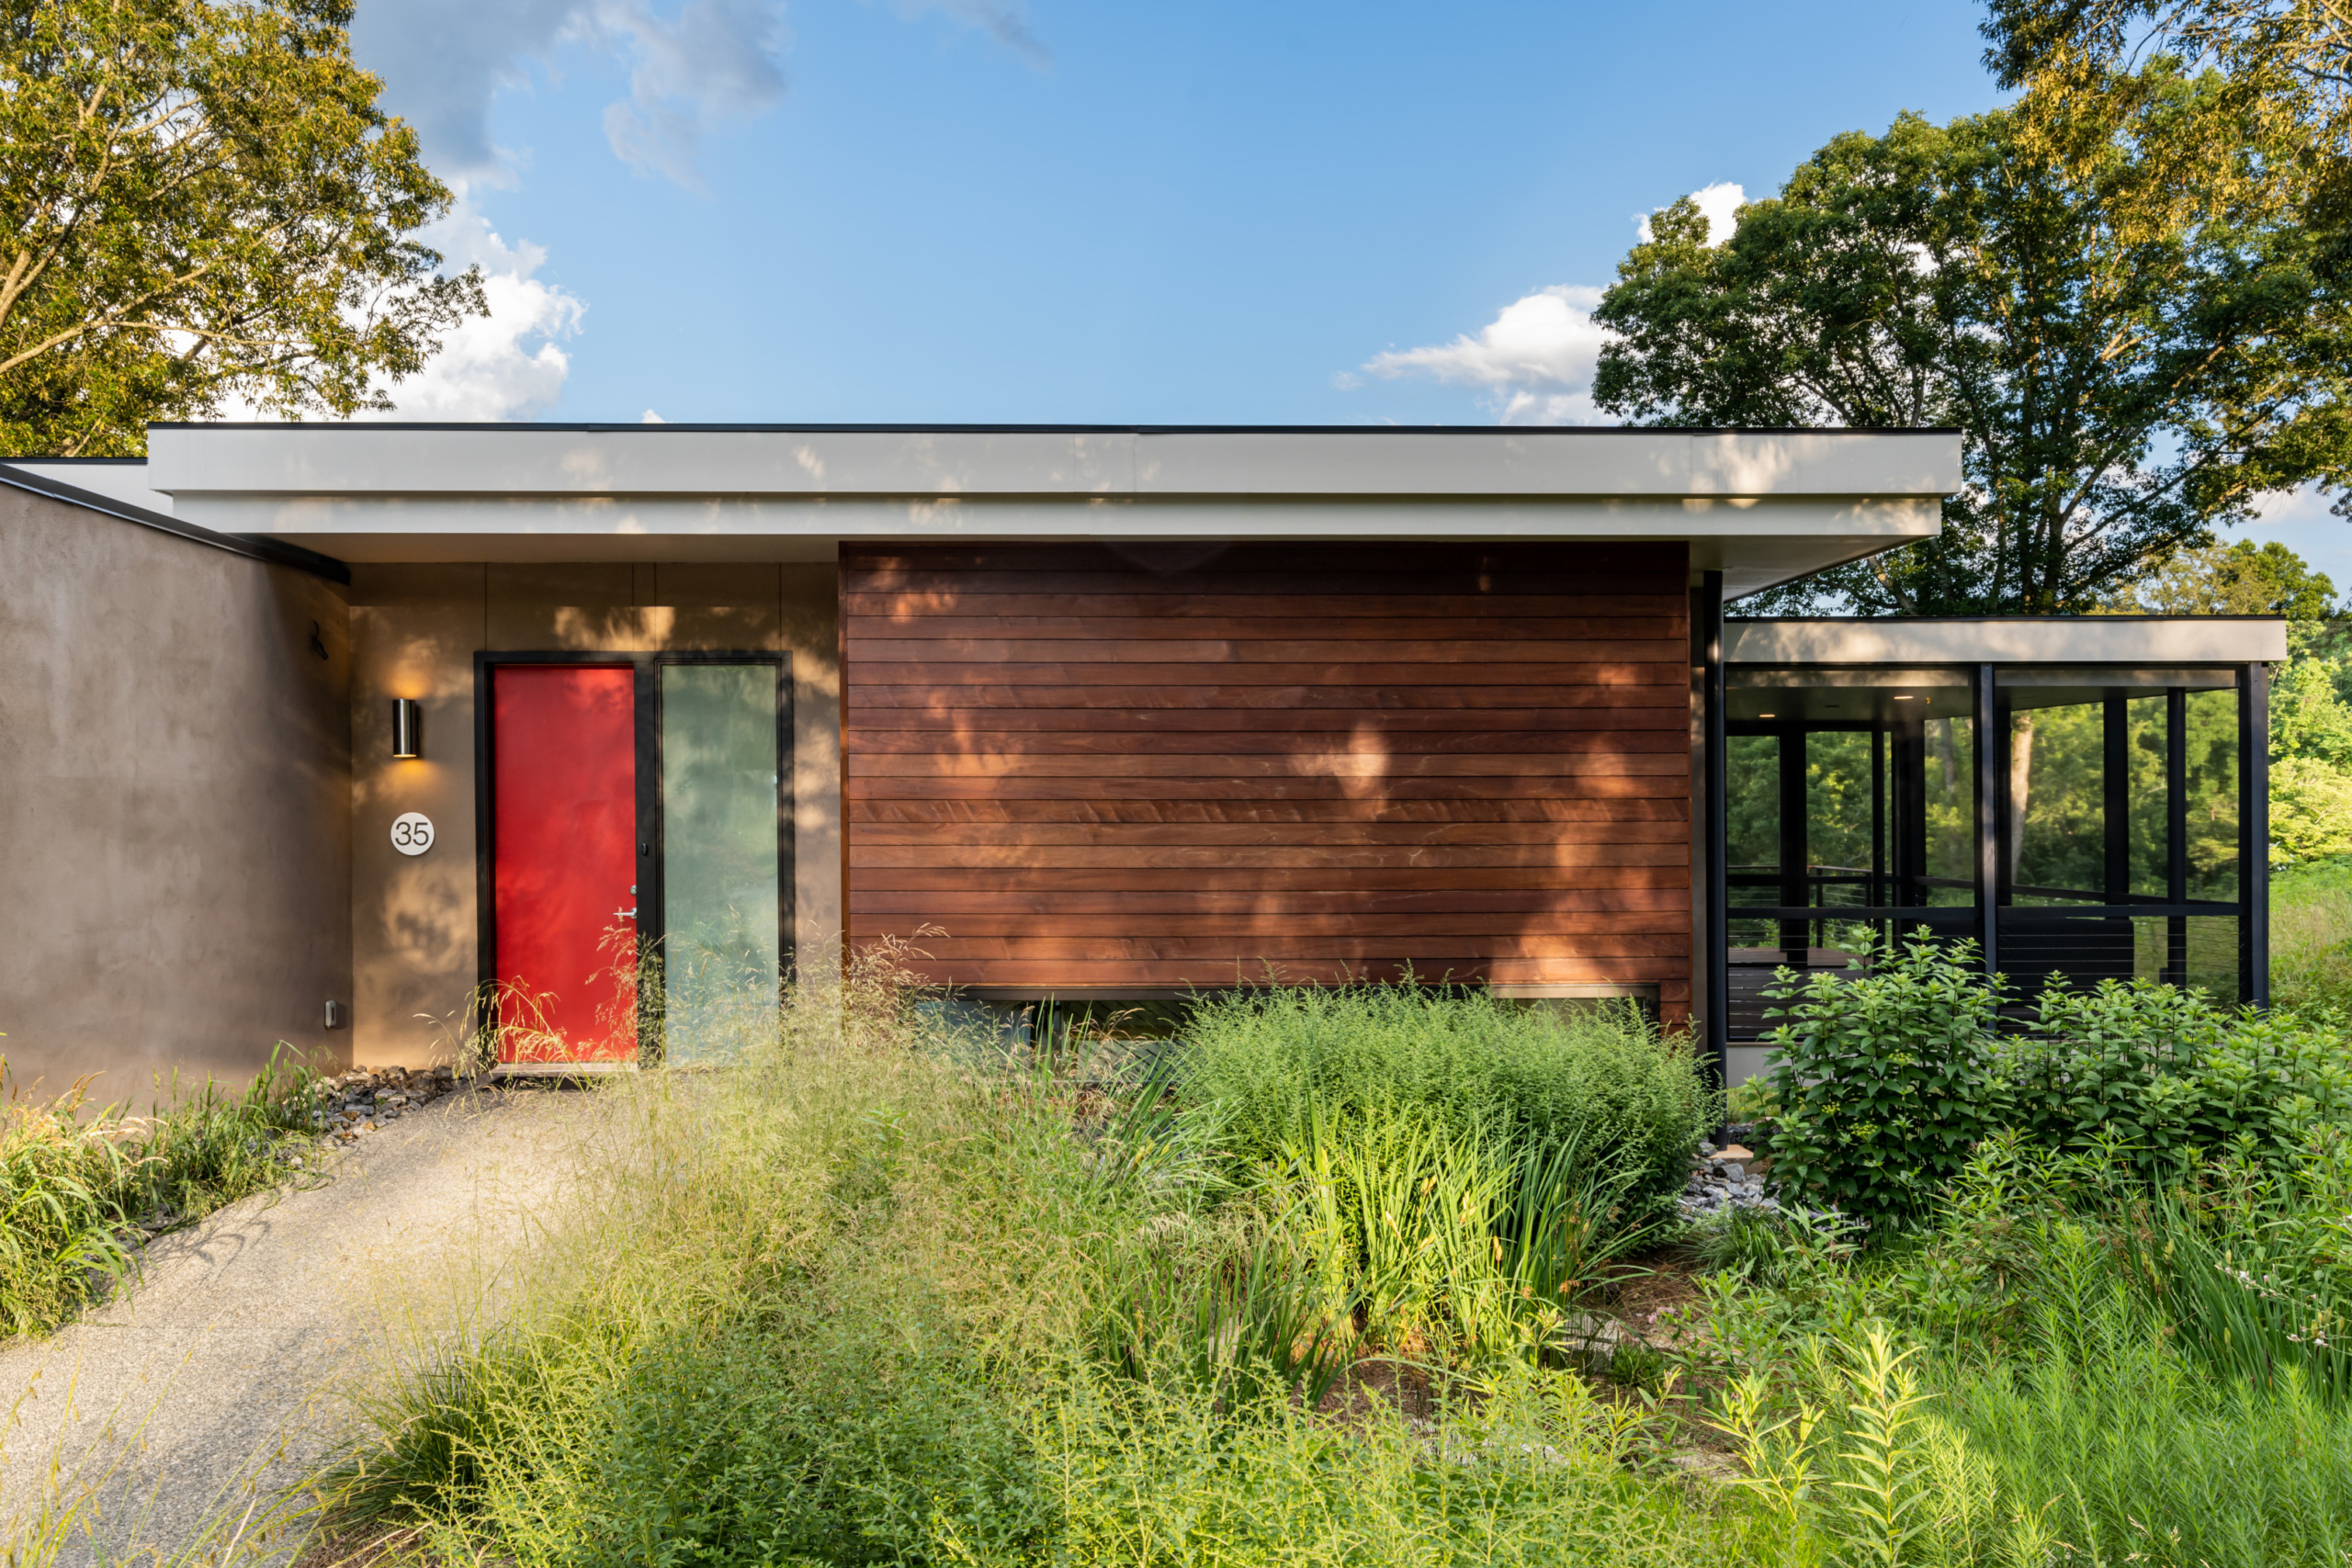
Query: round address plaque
x,y
412,832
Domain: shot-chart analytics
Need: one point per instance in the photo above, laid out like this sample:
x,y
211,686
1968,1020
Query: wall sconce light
x,y
407,716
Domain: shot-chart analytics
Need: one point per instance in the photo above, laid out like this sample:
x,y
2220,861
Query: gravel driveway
x,y
232,1361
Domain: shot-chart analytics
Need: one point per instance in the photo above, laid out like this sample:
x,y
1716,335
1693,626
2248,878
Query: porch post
x,y
2115,805
1713,791
2254,834
2176,832
1992,780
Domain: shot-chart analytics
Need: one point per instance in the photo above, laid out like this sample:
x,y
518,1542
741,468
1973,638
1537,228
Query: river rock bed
x,y
1722,1179
351,1105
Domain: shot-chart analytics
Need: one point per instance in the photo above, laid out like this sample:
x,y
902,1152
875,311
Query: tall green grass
x,y
887,1292
81,1185
884,1291
2062,1367
2311,936
1631,1097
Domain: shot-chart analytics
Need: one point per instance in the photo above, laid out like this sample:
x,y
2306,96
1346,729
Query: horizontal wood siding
x,y
1093,767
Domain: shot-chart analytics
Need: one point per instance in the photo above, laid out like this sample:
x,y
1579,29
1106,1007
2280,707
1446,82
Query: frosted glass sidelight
x,y
721,893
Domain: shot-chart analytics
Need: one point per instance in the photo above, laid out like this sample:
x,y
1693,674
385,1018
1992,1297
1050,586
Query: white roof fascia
x,y
2069,640
646,460
1760,506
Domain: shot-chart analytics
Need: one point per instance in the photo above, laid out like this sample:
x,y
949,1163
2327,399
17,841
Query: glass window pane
x,y
721,893
2148,797
1951,810
2213,797
2057,790
1752,831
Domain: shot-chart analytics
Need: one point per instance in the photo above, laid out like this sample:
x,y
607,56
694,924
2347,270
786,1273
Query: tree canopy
x,y
203,204
2240,579
2124,382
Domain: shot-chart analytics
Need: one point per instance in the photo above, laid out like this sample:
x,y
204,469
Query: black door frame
x,y
645,669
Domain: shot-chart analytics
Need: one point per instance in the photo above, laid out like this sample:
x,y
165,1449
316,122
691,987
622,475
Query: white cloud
x,y
715,64
692,67
1534,360
695,67
443,60
653,418
1719,204
510,366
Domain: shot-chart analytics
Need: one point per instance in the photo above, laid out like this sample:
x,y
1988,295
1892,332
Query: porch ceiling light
x,y
407,715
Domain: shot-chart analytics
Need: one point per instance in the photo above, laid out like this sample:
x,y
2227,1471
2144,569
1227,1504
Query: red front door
x,y
564,806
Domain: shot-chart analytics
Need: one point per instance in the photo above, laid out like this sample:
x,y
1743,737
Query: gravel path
x,y
230,1363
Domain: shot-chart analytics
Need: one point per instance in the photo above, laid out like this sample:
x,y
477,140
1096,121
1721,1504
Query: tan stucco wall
x,y
175,799
415,629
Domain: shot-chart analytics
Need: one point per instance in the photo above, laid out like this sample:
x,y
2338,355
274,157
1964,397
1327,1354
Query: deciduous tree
x,y
203,204
2123,385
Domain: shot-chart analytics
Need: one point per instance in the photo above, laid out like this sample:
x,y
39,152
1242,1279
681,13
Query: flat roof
x,y
2009,639
1762,506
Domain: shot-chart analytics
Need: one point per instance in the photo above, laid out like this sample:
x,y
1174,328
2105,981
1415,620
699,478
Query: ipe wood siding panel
x,y
1099,767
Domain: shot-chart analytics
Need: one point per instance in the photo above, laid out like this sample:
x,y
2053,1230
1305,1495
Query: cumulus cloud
x,y
510,366
1719,204
716,63
695,67
443,60
1534,360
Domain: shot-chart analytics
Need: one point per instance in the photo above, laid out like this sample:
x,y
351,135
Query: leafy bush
x,y
1887,1079
1462,1062
1884,1079
2163,1074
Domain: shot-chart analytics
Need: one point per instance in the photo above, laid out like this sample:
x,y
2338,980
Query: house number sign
x,y
412,832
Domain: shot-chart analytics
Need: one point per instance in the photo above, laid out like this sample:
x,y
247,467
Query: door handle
x,y
623,914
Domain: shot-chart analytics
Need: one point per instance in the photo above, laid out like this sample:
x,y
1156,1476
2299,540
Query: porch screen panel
x,y
722,889
1146,767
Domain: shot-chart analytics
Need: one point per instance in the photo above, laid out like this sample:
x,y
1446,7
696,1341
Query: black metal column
x,y
2254,834
1709,616
2115,805
1910,809
1878,827
2176,832
1992,789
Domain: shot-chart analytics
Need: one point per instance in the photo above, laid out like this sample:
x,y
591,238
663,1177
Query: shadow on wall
x,y
175,799
416,629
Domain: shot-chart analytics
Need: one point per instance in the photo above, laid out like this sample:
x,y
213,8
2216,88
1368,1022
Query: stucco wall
x,y
175,805
415,629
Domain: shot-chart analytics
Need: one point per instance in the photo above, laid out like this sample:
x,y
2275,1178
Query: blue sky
x,y
988,210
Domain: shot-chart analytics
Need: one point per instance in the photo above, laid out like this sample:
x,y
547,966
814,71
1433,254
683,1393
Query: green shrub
x,y
2163,1076
1884,1079
1887,1079
1462,1062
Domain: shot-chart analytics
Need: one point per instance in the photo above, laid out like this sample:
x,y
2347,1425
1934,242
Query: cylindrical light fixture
x,y
407,717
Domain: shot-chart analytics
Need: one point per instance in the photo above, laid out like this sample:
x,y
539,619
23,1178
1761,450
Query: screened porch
x,y
2080,798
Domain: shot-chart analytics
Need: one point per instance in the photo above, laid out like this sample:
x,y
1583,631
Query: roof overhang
x,y
1761,506
2136,640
